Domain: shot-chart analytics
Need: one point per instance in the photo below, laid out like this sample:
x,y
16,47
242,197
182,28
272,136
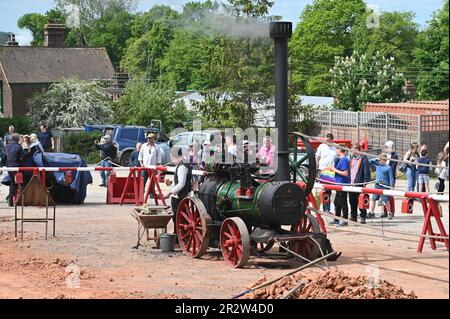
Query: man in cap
x,y
149,155
108,153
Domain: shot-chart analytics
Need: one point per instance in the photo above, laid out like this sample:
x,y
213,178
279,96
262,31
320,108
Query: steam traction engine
x,y
242,213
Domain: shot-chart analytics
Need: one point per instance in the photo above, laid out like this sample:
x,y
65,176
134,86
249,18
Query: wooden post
x,y
386,129
357,127
419,129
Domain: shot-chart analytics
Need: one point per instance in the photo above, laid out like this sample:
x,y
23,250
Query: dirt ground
x,y
95,241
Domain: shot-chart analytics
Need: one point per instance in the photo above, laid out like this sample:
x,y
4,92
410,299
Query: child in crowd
x,y
342,170
441,171
384,179
424,171
359,176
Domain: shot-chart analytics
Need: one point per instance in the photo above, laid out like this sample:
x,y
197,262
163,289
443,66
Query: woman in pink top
x,y
266,155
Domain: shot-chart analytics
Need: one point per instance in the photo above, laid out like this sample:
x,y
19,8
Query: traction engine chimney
x,y
280,32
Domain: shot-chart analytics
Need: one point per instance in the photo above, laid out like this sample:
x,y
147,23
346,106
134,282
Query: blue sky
x,y
11,10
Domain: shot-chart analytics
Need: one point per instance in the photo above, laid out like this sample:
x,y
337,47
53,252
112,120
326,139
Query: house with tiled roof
x,y
27,70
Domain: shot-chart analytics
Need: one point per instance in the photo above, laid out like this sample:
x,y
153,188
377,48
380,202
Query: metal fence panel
x,y
377,128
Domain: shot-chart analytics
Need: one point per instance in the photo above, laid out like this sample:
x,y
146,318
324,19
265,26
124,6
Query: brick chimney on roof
x,y
54,34
12,40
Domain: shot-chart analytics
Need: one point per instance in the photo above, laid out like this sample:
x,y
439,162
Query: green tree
x,y
395,37
94,17
145,52
91,10
221,111
35,22
162,40
324,31
143,22
364,78
431,58
181,60
143,102
70,103
112,31
254,8
301,116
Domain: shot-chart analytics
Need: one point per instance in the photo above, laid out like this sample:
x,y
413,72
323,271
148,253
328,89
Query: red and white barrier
x,y
430,208
387,192
170,169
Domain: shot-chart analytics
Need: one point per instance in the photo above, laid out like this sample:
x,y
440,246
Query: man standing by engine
x,y
182,184
149,155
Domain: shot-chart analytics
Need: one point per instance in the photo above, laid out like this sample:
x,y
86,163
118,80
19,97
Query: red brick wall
x,y
409,108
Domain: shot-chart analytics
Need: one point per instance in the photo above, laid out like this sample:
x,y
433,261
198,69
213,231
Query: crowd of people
x,y
17,150
338,166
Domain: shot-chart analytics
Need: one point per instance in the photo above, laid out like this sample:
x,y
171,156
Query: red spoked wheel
x,y
307,248
192,227
235,242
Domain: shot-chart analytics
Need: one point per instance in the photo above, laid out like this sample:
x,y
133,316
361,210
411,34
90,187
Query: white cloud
x,y
24,37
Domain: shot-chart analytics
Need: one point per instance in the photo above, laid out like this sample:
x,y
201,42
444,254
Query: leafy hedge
x,y
21,125
83,144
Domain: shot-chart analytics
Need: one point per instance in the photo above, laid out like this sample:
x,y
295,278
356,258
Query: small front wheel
x,y
235,242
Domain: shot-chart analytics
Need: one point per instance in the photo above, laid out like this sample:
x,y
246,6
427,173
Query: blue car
x,y
125,138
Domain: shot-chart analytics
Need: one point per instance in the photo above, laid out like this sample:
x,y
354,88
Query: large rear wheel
x,y
192,227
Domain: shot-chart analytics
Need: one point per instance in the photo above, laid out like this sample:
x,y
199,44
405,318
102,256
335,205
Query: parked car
x,y
182,140
126,137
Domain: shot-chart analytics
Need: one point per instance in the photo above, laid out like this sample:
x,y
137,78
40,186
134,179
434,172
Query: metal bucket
x,y
167,242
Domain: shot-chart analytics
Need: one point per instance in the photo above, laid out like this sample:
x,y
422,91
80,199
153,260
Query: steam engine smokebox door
x,y
282,203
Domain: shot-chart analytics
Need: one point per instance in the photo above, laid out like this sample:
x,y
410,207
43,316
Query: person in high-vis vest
x,y
182,185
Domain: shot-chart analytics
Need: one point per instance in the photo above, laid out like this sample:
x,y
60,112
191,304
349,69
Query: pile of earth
x,y
331,284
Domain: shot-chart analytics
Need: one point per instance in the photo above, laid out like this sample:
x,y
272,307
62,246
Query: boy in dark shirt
x,y
342,170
